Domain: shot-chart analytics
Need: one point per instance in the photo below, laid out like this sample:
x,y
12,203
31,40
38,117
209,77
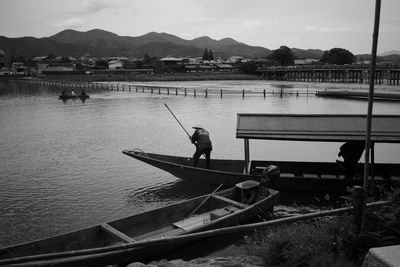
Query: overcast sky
x,y
317,24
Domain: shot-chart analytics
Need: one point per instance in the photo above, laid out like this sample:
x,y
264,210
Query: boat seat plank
x,y
193,222
205,218
328,176
233,202
310,175
111,230
287,175
160,233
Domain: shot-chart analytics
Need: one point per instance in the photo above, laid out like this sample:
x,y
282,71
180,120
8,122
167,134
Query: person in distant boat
x,y
64,93
83,92
73,93
201,139
351,152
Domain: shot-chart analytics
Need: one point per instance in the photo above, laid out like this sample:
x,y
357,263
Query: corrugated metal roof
x,y
318,127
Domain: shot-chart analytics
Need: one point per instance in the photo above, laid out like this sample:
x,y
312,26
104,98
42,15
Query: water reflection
x,y
61,166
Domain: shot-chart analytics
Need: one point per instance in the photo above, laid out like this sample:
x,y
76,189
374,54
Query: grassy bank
x,y
328,241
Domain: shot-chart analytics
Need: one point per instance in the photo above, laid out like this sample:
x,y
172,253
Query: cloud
x,y
252,24
94,6
326,29
71,23
204,21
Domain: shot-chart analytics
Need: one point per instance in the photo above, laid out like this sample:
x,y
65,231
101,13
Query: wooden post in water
x,y
176,91
194,92
185,92
243,93
264,93
206,93
220,92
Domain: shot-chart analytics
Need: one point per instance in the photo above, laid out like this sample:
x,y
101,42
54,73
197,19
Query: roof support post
x,y
246,155
372,163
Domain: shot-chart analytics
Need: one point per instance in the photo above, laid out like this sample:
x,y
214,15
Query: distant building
x,y
18,68
115,65
56,68
200,68
224,67
235,59
306,61
40,59
170,61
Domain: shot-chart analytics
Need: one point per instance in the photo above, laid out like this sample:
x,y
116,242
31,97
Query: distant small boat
x,y
137,237
65,97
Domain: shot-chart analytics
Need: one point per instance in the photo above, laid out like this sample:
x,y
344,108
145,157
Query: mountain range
x,y
102,43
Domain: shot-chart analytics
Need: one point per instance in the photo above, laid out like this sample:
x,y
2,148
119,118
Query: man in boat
x,y
201,139
351,152
73,93
83,92
64,93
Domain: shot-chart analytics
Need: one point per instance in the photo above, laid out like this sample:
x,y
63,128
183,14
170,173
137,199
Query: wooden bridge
x,y
168,90
350,74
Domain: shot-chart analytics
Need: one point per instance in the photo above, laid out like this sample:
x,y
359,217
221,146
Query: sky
x,y
305,24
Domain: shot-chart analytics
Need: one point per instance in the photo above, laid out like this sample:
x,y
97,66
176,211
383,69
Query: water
x,y
61,166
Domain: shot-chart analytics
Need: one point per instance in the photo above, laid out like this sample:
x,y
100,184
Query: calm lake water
x,y
61,166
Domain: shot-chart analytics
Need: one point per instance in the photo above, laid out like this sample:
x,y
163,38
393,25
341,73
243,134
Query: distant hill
x,y
387,57
389,53
30,47
102,43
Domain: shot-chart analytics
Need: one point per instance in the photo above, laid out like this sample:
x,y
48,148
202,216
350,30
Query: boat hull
x,y
65,97
132,238
294,176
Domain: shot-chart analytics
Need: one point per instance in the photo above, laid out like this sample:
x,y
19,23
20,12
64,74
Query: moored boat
x,y
65,97
130,239
282,175
293,176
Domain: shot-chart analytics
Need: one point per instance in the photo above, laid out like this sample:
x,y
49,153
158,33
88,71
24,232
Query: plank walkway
x,y
195,92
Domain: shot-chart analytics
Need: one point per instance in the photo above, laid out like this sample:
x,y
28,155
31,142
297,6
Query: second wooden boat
x,y
135,237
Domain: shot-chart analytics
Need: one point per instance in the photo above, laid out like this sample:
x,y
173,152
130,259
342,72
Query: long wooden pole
x,y
185,238
177,119
201,204
370,105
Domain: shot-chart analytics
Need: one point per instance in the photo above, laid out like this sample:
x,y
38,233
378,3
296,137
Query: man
x,y
351,152
201,139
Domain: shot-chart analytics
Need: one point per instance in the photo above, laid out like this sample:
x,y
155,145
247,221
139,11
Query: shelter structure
x,y
316,127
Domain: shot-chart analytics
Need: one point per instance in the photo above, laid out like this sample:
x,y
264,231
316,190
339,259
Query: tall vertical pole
x,y
370,104
246,155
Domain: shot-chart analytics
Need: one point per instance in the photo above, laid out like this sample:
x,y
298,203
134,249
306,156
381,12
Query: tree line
x,y
338,56
283,56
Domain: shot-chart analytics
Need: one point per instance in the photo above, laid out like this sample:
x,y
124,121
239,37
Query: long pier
x,y
351,74
182,91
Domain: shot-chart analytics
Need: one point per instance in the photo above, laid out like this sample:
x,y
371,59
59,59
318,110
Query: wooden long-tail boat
x,y
65,97
282,175
138,236
293,176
